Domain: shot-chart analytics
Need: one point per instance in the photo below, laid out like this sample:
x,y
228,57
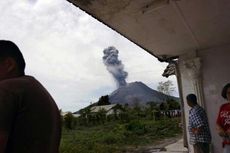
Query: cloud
x,y
63,48
32,2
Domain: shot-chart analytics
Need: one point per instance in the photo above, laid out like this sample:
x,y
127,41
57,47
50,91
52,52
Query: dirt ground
x,y
156,147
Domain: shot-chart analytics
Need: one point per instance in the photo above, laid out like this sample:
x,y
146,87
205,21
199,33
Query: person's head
x,y
191,100
226,92
12,63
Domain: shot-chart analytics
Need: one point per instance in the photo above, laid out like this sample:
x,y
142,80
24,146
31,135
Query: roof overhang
x,y
165,28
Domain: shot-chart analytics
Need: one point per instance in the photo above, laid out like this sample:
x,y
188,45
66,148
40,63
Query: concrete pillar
x,y
183,118
193,69
191,82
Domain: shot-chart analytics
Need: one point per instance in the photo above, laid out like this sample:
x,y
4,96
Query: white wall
x,y
215,73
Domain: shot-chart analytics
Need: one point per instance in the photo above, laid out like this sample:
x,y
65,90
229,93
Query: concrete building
x,y
194,35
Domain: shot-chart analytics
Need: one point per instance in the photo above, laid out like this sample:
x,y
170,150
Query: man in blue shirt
x,y
198,128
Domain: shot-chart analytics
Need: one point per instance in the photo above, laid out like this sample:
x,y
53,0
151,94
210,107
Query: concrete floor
x,y
175,148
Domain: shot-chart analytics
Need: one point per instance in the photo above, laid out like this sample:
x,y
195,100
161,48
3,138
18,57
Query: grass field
x,y
117,137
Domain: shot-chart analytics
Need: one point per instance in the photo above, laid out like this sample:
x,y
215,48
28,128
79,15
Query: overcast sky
x,y
63,48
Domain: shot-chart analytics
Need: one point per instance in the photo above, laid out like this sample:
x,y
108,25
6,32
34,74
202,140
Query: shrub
x,y
136,127
69,121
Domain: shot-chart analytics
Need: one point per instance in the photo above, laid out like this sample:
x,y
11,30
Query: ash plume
x,y
114,66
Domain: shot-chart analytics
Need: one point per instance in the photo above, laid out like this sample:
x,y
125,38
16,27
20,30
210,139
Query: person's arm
x,y
197,130
220,131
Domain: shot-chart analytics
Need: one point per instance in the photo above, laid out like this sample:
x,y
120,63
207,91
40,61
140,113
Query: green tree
x,y
151,109
164,106
69,121
137,110
172,104
85,113
125,114
103,100
166,87
101,114
152,105
117,110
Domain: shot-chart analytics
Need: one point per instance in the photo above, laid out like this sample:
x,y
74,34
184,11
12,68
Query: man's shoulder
x,y
16,83
198,109
17,79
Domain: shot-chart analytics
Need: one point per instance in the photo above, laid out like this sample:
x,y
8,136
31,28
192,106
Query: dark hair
x,y
192,98
10,49
224,91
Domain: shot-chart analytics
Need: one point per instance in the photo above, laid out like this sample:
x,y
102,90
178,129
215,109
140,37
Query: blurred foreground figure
x,y
29,117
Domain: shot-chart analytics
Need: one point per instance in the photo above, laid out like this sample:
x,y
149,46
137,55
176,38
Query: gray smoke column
x,y
114,66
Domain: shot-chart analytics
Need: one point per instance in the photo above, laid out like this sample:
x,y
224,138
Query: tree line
x,y
126,113
122,113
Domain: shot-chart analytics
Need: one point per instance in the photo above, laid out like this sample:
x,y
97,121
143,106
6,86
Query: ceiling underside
x,y
165,28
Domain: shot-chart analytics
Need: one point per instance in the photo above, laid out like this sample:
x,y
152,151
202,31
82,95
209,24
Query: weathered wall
x,y
187,85
215,73
212,74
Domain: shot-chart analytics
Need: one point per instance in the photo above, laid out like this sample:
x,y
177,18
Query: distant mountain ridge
x,y
137,92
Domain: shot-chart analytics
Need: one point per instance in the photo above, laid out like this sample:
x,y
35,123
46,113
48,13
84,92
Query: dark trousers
x,y
201,147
